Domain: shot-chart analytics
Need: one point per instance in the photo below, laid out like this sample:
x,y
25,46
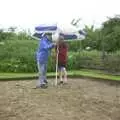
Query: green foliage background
x,y
17,50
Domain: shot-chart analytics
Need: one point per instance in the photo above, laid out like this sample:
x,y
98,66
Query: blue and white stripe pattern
x,y
46,28
74,36
42,29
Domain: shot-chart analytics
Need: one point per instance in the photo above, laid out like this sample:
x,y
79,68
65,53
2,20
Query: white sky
x,y
29,13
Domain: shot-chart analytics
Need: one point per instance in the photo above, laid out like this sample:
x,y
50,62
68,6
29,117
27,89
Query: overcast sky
x,y
29,13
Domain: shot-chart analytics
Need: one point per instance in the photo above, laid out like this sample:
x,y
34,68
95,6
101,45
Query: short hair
x,y
61,37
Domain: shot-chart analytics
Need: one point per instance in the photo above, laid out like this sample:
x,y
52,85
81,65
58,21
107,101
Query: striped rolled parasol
x,y
71,34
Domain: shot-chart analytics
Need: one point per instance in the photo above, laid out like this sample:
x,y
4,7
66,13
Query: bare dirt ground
x,y
81,99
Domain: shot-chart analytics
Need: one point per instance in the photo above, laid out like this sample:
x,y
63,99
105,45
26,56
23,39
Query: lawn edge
x,y
53,76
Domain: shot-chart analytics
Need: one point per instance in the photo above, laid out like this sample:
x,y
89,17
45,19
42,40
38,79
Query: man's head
x,y
61,39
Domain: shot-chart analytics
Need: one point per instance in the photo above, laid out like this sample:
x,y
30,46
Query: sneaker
x,y
60,83
43,86
46,82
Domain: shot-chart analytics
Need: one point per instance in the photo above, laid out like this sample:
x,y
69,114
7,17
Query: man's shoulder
x,y
44,39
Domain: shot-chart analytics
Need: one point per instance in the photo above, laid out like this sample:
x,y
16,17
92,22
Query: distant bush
x,y
19,56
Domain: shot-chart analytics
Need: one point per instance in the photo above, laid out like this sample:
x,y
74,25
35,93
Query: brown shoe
x,y
60,83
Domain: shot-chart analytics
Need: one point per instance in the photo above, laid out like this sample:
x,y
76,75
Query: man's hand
x,y
55,44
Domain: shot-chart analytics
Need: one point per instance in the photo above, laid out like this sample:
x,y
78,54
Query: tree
x,y
92,39
111,31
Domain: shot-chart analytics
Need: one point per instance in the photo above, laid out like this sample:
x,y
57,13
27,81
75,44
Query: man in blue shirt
x,y
43,52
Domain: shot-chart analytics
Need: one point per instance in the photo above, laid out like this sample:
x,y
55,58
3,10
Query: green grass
x,y
95,74
81,73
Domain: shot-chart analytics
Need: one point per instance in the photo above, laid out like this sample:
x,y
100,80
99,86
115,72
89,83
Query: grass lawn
x,y
76,73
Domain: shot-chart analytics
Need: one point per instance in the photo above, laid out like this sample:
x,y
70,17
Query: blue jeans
x,y
42,70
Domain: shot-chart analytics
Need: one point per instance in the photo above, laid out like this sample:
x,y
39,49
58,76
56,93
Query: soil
x,y
81,99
